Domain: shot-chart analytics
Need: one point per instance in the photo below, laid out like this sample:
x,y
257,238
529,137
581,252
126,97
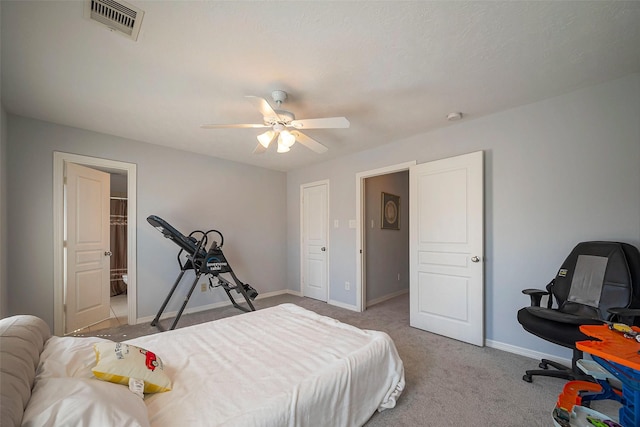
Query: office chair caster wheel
x,y
527,378
543,365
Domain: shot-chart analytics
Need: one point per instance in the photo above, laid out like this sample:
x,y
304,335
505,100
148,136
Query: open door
x,y
87,297
446,247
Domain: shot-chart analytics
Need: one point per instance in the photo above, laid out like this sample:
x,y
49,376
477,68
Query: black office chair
x,y
599,281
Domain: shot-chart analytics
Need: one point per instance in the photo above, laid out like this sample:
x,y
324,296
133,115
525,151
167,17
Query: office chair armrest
x,y
535,295
625,315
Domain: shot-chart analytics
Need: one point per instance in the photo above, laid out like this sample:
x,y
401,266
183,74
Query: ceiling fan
x,y
283,125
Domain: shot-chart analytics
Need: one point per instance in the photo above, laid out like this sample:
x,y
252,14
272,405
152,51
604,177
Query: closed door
x,y
87,247
446,247
314,241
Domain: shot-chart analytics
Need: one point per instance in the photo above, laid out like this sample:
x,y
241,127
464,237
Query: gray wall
x,y
4,299
386,251
190,191
4,292
557,172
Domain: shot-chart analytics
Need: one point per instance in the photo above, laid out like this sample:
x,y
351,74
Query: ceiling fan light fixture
x,y
286,139
282,125
265,139
282,148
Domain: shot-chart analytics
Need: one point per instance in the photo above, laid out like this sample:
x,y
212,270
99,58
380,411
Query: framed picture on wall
x,y
390,211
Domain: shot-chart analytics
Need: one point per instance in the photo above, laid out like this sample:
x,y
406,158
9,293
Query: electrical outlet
x,y
347,286
203,287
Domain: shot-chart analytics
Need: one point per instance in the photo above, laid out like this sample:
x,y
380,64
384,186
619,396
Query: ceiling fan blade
x,y
238,126
259,149
325,123
263,106
308,142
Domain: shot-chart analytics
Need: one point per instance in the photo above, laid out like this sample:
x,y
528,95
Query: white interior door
x,y
315,215
446,247
87,243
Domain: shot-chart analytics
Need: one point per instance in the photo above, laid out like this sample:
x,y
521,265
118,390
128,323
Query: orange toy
x,y
619,355
571,393
613,345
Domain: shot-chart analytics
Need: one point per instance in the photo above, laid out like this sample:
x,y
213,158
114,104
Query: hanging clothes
x,y
118,245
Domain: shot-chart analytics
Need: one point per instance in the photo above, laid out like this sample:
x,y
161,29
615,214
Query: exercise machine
x,y
210,263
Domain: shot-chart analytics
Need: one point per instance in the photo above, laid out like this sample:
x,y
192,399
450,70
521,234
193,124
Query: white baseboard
x,y
386,297
280,292
342,305
294,293
526,352
170,314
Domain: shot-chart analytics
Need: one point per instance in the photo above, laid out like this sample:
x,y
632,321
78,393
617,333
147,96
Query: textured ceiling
x,y
394,69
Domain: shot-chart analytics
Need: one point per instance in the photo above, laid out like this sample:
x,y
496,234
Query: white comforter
x,y
281,366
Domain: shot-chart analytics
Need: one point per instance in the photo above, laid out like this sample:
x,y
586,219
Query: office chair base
x,y
560,371
544,364
567,375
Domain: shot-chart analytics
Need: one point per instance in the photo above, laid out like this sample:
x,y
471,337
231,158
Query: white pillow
x,y
68,357
83,402
117,362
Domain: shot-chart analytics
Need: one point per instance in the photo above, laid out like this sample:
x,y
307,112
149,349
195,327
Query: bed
x,y
279,366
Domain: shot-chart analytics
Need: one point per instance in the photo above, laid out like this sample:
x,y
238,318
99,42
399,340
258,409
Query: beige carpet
x,y
449,383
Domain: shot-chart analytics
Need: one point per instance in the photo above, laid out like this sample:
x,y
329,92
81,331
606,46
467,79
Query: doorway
x,y
446,243
118,227
128,173
361,222
386,237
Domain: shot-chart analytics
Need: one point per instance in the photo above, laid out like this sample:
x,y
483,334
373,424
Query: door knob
x,y
108,253
475,259
323,249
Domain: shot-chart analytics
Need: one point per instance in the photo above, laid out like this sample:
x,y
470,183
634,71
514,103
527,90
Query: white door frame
x,y
360,223
302,188
59,160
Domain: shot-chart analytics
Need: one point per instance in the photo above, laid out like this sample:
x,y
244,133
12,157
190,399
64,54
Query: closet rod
x,y
118,198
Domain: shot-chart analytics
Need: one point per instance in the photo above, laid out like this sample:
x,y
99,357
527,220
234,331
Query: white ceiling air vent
x,y
118,15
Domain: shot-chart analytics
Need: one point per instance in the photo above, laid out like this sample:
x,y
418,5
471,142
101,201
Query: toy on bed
x,y
211,263
293,367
